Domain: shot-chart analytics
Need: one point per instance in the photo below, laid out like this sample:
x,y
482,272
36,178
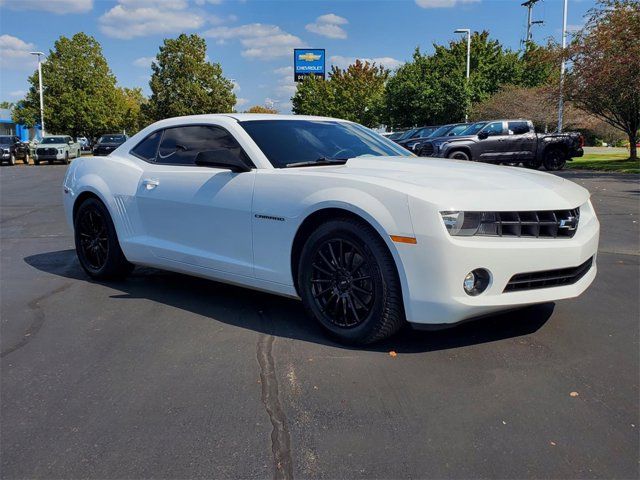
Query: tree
x,y
432,89
7,105
261,109
185,83
605,59
80,92
355,93
131,105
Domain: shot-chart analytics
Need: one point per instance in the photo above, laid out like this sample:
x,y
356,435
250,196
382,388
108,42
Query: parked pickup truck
x,y
59,147
11,148
510,142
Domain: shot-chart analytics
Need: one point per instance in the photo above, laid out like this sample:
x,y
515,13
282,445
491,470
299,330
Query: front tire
x,y
348,282
97,243
26,159
12,159
458,155
554,159
66,158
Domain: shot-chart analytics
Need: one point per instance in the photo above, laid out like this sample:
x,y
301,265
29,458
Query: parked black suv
x,y
108,143
414,134
11,149
509,142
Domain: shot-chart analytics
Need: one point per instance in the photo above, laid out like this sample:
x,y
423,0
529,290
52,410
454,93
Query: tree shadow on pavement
x,y
283,317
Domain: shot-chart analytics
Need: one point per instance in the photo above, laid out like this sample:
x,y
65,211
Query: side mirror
x,y
221,158
483,135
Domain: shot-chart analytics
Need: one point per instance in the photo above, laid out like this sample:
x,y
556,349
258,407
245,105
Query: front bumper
x,y
57,156
433,270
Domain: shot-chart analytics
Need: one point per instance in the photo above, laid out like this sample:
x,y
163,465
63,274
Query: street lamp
x,y
40,54
468,32
564,45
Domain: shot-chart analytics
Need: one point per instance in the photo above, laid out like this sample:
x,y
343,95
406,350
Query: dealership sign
x,y
308,61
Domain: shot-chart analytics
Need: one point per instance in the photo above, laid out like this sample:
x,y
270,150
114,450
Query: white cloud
x,y
204,2
343,62
236,85
328,25
574,28
14,53
284,71
143,62
17,93
241,102
59,7
260,41
139,18
442,3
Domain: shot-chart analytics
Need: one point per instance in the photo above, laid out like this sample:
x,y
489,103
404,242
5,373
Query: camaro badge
x,y
569,223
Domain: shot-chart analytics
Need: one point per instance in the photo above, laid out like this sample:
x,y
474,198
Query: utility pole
x,y
40,54
529,4
564,45
467,31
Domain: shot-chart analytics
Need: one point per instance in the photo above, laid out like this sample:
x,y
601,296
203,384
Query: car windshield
x,y
473,129
458,129
286,142
53,140
112,139
4,139
442,131
395,135
407,134
422,132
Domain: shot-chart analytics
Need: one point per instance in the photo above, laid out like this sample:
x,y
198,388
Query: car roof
x,y
247,117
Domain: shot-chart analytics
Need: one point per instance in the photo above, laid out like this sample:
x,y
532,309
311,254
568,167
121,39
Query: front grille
x,y
548,278
537,224
427,149
47,151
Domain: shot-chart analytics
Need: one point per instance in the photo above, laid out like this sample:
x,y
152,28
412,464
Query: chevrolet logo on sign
x,y
309,57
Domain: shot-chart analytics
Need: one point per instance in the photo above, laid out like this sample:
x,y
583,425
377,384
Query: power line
x,y
530,22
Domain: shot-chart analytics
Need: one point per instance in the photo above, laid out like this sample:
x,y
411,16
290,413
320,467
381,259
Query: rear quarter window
x,y
148,148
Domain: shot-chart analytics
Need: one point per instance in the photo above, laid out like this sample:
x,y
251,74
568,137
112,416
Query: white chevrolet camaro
x,y
368,235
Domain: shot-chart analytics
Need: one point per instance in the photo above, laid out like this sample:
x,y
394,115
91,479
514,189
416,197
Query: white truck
x,y
57,147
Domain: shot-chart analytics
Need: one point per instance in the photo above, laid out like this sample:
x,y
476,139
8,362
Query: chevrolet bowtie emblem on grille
x,y
309,57
569,223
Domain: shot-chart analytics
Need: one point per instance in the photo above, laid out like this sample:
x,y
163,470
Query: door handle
x,y
150,183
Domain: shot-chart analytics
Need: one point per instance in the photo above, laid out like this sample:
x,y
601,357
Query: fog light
x,y
476,281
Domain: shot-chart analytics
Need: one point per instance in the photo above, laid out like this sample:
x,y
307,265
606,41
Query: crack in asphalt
x,y
280,439
39,320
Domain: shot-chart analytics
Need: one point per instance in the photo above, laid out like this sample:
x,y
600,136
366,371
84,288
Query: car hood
x,y
51,145
108,144
463,185
5,145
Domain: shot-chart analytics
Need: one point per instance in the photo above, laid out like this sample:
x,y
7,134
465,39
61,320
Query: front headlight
x,y
59,150
5,150
462,223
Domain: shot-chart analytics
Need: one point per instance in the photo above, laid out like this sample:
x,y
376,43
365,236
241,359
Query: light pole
x,y
40,54
468,32
564,45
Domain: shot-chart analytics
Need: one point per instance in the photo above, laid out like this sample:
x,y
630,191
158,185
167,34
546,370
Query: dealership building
x,y
9,127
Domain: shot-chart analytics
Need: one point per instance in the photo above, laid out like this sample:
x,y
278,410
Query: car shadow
x,y
283,317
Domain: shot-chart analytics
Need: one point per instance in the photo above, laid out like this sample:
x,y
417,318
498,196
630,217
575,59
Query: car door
x,y
522,140
492,147
196,215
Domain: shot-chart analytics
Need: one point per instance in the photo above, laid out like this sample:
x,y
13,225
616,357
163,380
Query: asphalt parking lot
x,y
167,376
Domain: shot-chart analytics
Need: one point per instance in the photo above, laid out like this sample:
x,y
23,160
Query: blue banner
x,y
308,61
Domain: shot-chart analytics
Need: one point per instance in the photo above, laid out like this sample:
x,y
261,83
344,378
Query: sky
x,y
253,40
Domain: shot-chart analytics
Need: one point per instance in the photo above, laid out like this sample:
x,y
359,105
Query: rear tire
x,y
459,155
554,160
348,282
97,243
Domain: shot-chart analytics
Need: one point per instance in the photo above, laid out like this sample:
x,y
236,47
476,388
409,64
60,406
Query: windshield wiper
x,y
318,161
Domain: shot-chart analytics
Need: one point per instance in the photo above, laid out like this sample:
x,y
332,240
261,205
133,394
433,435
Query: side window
x,y
493,129
147,148
181,145
518,128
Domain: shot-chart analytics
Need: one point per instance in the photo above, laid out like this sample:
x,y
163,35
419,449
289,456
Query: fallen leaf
x,y
573,394
392,353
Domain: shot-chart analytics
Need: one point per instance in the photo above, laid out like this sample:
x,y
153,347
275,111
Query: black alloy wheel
x,y
342,283
94,244
554,160
97,243
348,282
